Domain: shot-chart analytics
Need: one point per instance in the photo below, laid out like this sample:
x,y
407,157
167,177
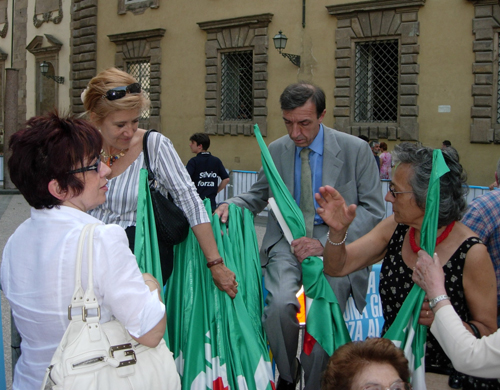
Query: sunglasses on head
x,y
119,92
93,167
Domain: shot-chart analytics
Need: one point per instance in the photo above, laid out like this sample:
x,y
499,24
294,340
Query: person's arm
x,y
223,185
123,289
224,278
472,356
255,199
174,177
153,337
341,260
480,289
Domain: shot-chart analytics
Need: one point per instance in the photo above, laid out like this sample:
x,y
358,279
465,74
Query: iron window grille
x,y
141,71
236,97
376,81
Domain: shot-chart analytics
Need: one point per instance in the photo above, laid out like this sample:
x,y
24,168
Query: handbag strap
x,y
86,299
151,175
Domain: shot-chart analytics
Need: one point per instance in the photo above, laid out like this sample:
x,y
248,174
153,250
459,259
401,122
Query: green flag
x,y
146,242
405,331
325,322
215,340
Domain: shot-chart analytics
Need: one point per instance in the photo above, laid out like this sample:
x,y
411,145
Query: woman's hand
x,y
225,279
428,274
333,209
426,315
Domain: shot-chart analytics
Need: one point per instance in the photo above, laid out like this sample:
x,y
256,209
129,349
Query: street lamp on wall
x,y
280,40
44,68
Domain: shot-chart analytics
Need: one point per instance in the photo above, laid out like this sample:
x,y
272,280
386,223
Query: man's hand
x,y
224,279
223,212
304,247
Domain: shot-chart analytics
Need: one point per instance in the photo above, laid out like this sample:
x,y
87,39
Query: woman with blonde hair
x,y
114,102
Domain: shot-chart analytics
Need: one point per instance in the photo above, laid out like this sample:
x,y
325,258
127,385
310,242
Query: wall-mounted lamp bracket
x,y
280,40
294,59
44,69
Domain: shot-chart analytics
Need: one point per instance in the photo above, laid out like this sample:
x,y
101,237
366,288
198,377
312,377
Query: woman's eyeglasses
x,y
93,167
119,92
398,385
393,193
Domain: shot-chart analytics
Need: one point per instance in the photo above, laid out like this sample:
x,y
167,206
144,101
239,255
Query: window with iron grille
x,y
141,71
236,97
377,81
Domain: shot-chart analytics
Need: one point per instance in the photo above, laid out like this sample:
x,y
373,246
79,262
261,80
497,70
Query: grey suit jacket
x,y
348,166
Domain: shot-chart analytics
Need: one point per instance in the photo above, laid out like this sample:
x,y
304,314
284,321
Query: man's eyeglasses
x,y
393,193
93,167
119,92
398,385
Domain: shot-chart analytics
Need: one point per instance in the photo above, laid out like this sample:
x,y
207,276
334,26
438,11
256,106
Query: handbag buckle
x,y
130,352
85,313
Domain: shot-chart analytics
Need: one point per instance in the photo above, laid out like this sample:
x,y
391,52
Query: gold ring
x,y
236,285
427,313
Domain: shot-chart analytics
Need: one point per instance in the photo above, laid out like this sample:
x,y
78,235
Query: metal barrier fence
x,y
241,181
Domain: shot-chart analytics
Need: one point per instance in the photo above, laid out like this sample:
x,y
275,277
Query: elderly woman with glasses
x,y
373,364
55,164
470,277
114,102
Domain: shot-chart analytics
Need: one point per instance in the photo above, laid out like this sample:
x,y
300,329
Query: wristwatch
x,y
434,301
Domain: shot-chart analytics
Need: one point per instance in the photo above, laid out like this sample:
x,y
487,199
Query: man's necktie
x,y
306,195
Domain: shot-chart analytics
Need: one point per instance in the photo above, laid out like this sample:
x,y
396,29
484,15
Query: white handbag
x,y
104,356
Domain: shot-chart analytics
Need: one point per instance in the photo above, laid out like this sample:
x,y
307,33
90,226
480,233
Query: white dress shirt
x,y
38,279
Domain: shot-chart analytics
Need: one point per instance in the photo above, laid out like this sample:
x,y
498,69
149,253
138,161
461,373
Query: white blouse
x,y
38,279
120,206
472,356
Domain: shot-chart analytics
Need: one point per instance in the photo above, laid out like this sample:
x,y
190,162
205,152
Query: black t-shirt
x,y
205,170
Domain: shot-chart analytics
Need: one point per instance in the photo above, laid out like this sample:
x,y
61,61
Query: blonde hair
x,y
94,99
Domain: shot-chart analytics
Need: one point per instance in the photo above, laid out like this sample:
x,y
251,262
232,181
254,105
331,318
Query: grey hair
x,y
453,188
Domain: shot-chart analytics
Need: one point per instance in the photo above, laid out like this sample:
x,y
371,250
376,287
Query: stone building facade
x,y
394,70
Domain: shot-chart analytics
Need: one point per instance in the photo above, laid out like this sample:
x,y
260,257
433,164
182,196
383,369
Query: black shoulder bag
x,y
172,226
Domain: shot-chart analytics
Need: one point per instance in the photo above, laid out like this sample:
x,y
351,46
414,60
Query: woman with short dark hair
x,y
373,364
470,277
56,165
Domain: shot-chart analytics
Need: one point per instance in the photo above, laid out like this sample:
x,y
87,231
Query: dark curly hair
x,y
452,203
350,359
48,148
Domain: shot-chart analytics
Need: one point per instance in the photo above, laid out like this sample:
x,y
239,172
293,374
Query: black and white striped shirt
x,y
120,206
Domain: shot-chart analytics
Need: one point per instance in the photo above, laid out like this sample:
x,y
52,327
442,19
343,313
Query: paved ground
x,y
14,210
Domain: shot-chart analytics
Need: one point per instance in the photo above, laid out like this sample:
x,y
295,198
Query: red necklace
x,y
415,248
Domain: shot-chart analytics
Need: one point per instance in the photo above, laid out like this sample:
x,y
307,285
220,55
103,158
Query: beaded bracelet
x,y
210,264
335,243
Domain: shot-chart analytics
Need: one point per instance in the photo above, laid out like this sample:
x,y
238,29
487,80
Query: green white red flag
x,y
218,342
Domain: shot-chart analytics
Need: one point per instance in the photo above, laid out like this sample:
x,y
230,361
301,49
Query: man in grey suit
x,y
340,160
